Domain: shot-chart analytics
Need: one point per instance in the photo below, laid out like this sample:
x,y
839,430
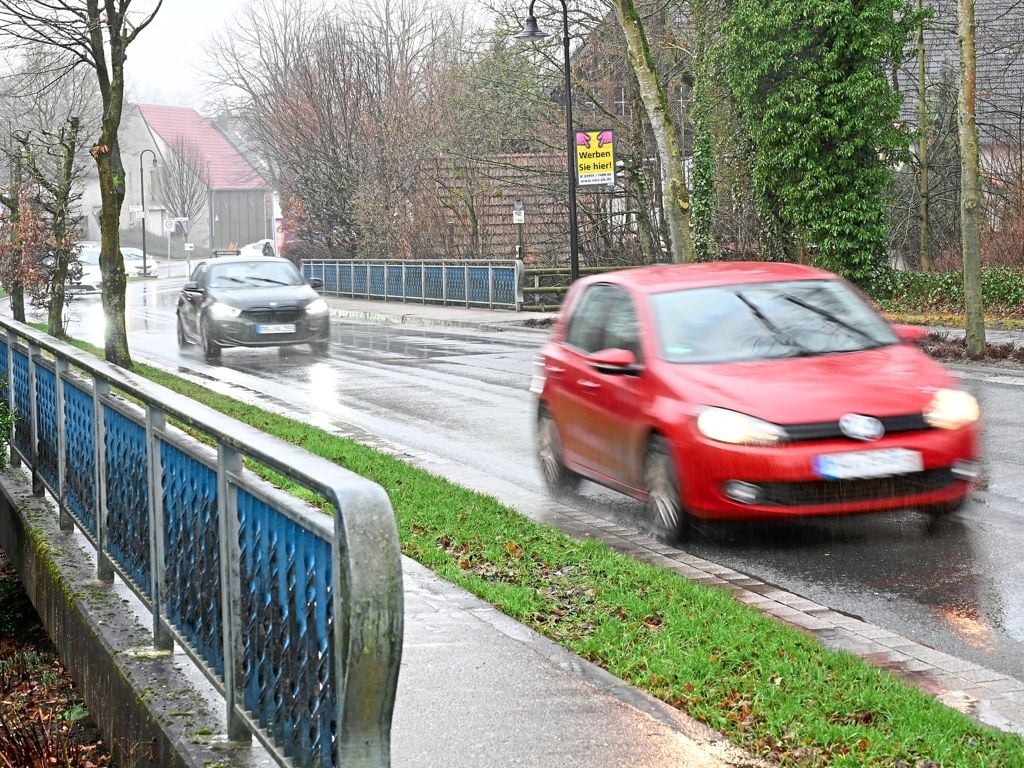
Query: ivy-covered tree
x,y
809,79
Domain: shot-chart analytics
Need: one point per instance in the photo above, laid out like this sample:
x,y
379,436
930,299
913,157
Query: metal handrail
x,y
491,283
342,593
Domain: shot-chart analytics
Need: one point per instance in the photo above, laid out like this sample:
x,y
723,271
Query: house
x,y
199,175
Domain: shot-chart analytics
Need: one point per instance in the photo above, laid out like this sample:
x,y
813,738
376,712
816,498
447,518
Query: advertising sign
x,y
595,158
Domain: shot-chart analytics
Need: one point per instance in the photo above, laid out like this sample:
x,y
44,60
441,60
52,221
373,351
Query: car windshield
x,y
764,321
248,274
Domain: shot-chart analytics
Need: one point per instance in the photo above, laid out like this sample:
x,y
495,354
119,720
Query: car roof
x,y
659,278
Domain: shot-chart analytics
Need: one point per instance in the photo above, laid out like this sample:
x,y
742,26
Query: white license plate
x,y
884,462
276,328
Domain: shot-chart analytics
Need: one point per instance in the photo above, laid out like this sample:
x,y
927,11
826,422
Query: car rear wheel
x,y
182,338
661,479
211,349
319,347
559,479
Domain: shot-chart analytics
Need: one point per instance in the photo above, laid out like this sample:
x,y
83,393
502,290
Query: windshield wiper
x,y
777,332
268,280
832,318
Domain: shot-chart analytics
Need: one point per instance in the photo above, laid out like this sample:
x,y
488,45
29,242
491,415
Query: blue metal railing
x,y
492,284
294,617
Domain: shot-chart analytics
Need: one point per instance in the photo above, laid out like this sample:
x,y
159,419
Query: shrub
x,y
923,292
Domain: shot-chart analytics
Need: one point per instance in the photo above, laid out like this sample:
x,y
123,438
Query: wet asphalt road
x,y
462,395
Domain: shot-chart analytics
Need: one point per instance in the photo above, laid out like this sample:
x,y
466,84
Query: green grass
x,y
766,686
992,323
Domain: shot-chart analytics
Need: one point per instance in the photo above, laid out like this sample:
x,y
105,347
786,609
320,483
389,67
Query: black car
x,y
251,301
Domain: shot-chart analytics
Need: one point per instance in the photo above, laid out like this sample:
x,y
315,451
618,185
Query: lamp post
x,y
531,32
142,201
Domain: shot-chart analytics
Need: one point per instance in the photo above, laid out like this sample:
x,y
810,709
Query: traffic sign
x,y
135,209
518,213
190,246
169,226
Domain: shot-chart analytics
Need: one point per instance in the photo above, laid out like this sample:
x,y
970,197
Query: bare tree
x,y
95,34
183,184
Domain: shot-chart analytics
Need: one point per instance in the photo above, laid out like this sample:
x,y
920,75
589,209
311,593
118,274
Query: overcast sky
x,y
164,61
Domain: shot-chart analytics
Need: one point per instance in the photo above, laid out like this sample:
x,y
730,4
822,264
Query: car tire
x,y
319,347
944,508
664,505
211,349
559,479
182,338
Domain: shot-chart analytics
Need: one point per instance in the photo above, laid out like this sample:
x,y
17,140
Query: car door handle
x,y
554,370
588,384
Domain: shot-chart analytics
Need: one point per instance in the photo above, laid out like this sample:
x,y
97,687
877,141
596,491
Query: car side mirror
x,y
615,362
316,283
192,287
910,334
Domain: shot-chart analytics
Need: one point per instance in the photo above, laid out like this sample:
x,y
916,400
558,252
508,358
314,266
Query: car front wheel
x,y
661,479
559,479
211,349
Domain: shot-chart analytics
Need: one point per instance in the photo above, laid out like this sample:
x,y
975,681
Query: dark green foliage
x,y
6,426
810,80
924,292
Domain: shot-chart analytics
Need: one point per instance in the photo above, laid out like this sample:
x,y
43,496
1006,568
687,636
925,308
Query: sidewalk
x,y
477,688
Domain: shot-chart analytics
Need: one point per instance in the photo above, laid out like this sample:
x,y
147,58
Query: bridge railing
x,y
470,283
295,617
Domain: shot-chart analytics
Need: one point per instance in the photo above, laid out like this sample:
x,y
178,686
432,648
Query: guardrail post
x,y
33,409
490,286
405,269
423,283
465,283
155,424
67,523
104,568
444,283
11,340
368,620
229,463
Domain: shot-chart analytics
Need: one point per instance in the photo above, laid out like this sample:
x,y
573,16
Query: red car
x,y
731,391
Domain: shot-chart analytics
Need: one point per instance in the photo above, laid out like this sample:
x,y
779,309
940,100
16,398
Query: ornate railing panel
x,y
273,600
470,283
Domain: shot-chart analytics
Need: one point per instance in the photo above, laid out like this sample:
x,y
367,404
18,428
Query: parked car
x,y
133,263
263,247
735,391
84,275
239,301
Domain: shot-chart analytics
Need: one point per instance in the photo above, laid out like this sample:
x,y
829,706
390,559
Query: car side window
x,y
586,327
621,329
198,273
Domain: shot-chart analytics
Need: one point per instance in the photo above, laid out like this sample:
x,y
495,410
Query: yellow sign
x,y
595,157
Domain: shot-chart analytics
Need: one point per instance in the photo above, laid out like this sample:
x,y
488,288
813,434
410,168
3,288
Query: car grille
x,y
829,430
815,492
272,315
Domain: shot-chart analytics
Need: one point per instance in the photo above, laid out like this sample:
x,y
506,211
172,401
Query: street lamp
x,y
531,32
142,201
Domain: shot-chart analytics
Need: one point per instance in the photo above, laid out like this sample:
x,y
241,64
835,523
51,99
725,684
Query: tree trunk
x,y
18,302
970,184
924,244
675,196
111,173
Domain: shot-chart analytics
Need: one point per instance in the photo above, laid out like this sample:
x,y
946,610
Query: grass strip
x,y
952,320
766,686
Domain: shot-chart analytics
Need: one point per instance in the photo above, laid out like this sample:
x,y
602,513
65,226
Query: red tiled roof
x,y
227,168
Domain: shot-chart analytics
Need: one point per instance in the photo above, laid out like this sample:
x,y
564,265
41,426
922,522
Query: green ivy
x,y
809,79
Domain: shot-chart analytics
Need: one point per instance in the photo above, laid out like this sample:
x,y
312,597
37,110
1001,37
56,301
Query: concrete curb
x,y
148,710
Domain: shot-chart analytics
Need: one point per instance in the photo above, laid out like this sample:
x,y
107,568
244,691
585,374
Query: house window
x,y
622,105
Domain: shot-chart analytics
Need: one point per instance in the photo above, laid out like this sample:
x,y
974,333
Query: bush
x,y
923,292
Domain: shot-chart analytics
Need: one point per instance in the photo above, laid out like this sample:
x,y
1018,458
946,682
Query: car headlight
x,y
952,409
731,427
316,307
221,311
